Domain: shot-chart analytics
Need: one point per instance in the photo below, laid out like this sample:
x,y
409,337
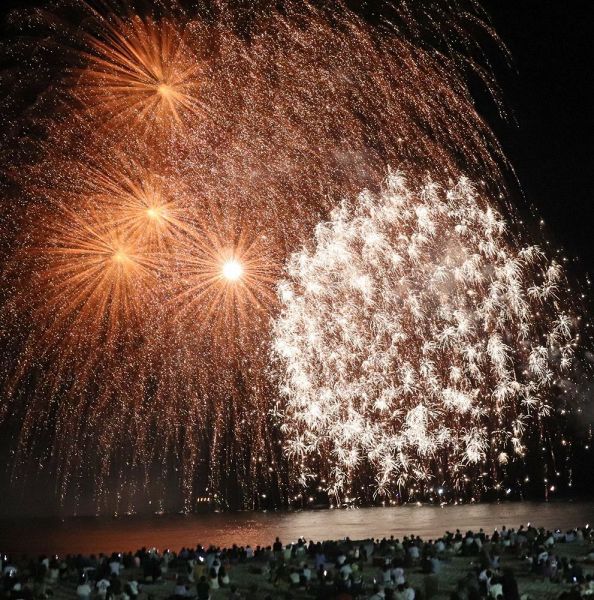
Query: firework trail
x,y
163,175
418,340
143,324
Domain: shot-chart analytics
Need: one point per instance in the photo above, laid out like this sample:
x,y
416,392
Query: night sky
x,y
548,92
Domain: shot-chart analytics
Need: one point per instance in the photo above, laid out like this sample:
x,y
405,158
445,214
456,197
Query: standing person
x,y
115,565
213,579
277,548
199,568
223,577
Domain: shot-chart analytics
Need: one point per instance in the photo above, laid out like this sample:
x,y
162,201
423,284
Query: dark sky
x,y
550,92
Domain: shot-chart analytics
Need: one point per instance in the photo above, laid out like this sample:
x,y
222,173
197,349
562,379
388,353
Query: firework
x,y
142,283
418,339
131,70
185,158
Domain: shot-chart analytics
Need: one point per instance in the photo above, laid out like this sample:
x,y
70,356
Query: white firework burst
x,y
417,332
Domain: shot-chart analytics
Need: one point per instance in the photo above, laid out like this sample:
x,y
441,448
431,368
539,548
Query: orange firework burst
x,y
226,284
140,203
139,72
143,281
98,281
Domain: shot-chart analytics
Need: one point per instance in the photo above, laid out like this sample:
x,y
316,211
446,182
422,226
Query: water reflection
x,y
174,531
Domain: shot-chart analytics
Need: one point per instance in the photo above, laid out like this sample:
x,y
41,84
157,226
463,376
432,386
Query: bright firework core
x,y
164,89
153,213
120,256
232,270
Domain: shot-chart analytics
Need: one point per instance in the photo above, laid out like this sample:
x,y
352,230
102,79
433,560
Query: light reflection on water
x,y
88,535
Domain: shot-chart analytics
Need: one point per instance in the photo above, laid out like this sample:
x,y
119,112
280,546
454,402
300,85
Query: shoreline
x,y
103,534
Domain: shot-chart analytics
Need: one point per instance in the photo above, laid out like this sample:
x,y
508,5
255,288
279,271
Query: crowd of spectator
x,y
341,569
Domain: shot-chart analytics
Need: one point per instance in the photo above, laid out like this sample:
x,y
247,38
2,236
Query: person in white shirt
x,y
385,576
346,570
495,590
102,586
404,592
216,565
409,593
306,572
294,578
579,535
54,573
413,552
83,591
398,575
485,577
542,557
132,589
115,567
213,580
210,558
435,565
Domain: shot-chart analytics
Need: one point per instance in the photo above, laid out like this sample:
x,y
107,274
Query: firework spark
x,y
418,338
